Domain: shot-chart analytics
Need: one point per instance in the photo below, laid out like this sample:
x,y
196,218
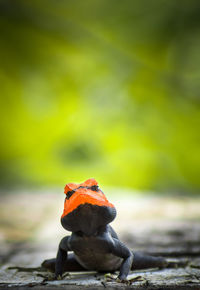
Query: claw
x,y
129,281
114,278
118,280
48,277
110,277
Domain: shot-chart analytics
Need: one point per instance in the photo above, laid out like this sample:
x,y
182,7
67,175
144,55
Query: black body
x,y
96,246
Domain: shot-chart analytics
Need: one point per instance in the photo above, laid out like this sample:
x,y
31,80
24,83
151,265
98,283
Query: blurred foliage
x,y
100,88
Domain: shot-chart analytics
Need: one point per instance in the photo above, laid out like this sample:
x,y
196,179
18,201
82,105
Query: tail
x,y
144,261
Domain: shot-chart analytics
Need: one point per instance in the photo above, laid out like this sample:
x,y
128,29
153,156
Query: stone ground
x,y
30,231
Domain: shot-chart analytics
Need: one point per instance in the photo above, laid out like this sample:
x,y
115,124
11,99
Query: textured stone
x,y
161,226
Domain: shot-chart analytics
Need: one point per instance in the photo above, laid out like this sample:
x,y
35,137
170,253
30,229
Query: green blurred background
x,y
100,88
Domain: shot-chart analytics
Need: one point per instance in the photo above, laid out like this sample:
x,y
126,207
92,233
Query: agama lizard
x,y
95,245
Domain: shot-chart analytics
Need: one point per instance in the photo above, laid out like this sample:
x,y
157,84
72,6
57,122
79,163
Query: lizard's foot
x,y
60,277
120,279
128,280
52,276
112,277
48,277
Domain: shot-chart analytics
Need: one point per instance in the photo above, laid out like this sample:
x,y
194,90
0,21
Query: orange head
x,y
86,207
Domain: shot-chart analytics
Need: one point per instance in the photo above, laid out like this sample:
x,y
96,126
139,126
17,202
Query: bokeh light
x,y
104,89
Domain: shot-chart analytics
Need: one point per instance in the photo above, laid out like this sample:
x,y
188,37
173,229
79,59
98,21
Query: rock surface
x,y
167,226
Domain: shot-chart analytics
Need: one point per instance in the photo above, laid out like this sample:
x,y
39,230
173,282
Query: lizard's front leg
x,y
120,250
61,257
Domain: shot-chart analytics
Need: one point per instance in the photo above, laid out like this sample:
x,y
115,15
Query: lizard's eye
x,y
69,194
94,187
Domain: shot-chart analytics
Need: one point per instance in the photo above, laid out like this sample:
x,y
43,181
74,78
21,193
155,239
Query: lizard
x,y
94,243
